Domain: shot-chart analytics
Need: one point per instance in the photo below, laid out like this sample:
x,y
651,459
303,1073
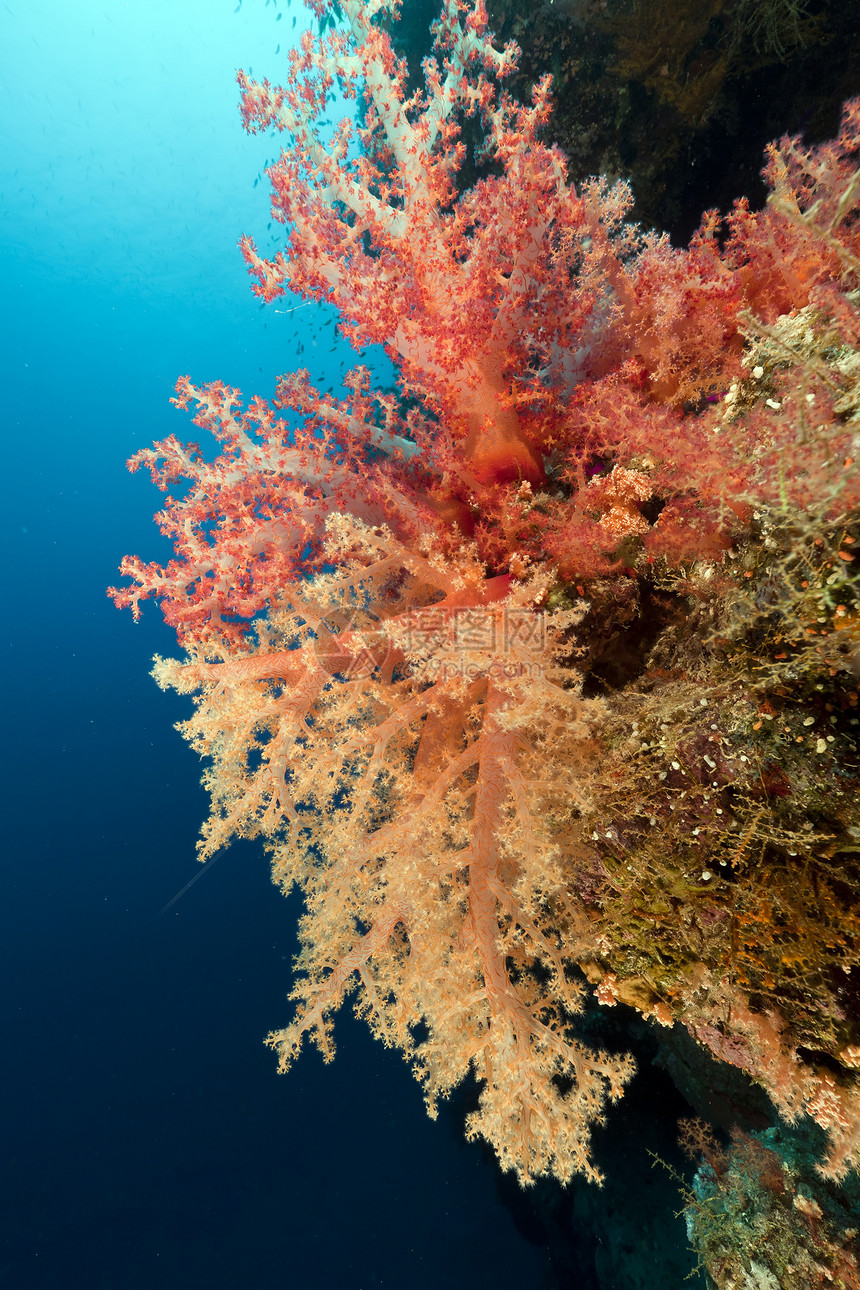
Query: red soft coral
x,y
362,589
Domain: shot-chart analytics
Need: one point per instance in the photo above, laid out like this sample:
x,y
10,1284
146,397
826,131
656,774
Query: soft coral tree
x,y
389,601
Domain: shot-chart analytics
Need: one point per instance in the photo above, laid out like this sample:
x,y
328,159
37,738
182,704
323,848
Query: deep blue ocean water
x,y
147,1141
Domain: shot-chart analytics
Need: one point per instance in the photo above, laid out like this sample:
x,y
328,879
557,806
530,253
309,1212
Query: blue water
x,y
147,1140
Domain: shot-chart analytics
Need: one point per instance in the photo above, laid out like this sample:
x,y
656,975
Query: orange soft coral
x,y
363,590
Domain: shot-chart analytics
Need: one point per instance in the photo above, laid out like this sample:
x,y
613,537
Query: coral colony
x,y
539,675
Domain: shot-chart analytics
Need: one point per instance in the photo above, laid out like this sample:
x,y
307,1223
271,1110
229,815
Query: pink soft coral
x,y
383,694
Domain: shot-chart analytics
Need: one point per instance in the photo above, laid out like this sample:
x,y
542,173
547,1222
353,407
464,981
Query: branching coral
x,y
490,665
